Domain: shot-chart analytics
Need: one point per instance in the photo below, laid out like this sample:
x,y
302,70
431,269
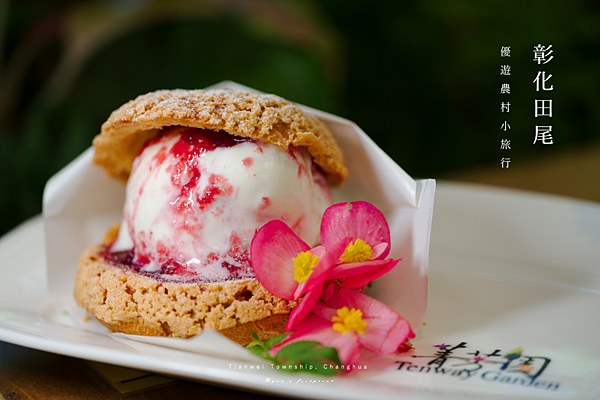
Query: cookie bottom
x,y
131,303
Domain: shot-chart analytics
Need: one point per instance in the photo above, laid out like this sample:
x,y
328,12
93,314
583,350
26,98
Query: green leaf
x,y
259,348
296,349
311,355
324,353
274,341
305,351
256,348
320,355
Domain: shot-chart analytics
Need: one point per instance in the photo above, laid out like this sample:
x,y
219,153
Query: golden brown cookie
x,y
128,302
263,117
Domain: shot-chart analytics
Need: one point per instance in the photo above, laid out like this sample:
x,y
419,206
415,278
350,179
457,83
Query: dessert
x,y
205,170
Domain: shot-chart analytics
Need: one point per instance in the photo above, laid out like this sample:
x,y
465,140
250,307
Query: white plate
x,y
508,269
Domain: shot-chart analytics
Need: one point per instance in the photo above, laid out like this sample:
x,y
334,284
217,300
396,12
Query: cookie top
x,y
263,117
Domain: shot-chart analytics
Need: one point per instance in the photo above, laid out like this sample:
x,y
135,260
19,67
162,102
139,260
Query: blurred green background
x,y
422,78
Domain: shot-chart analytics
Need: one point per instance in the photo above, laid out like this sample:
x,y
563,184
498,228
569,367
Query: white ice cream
x,y
193,214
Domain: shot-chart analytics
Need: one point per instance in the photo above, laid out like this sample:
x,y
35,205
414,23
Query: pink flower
x,y
364,258
356,239
289,268
350,320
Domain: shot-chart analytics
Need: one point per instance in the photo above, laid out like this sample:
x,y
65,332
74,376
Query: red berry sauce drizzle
x,y
192,144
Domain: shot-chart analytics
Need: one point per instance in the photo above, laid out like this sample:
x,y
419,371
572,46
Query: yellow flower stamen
x,y
349,321
303,266
358,251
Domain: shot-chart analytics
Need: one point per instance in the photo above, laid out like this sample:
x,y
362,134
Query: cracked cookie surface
x,y
263,117
128,302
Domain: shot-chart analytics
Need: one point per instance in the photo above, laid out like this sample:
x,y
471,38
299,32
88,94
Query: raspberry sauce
x,y
185,176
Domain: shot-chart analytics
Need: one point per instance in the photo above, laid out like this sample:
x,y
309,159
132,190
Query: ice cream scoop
x,y
196,197
205,169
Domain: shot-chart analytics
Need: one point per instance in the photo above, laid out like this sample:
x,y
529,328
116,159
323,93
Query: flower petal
x,y
304,307
271,253
359,281
330,294
317,329
324,312
348,270
382,339
327,261
379,250
318,251
358,219
385,331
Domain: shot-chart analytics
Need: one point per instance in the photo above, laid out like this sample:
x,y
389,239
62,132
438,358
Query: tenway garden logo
x,y
514,367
